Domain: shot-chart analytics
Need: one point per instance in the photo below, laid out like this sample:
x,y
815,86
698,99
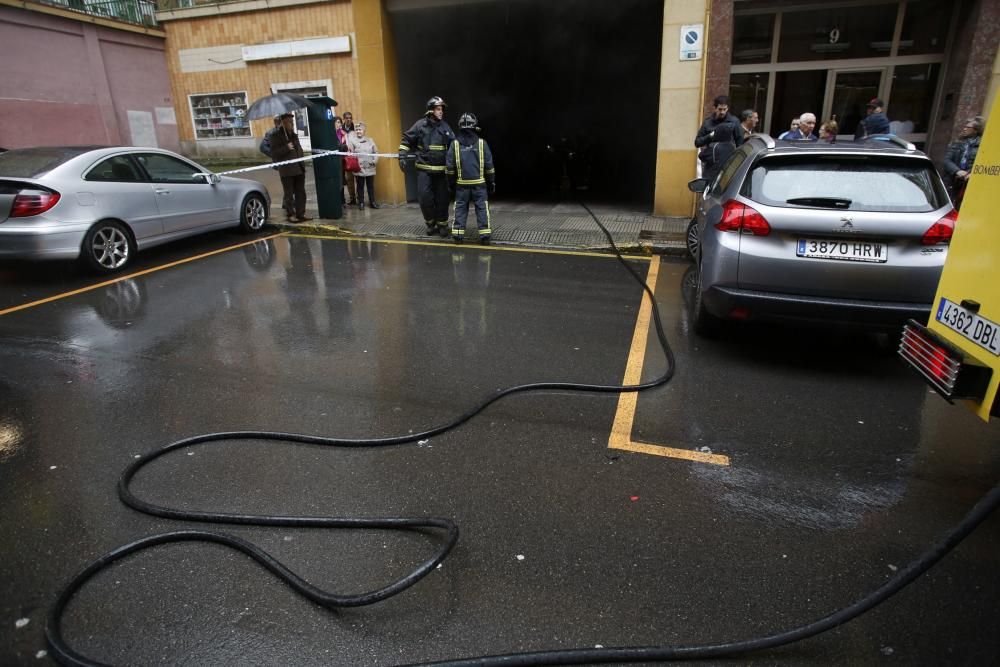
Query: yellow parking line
x,y
134,275
465,246
621,429
673,453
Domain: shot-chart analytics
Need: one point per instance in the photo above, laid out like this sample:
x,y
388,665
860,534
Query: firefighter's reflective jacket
x,y
470,160
428,140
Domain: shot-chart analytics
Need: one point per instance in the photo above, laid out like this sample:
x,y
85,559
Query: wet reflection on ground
x,y
843,467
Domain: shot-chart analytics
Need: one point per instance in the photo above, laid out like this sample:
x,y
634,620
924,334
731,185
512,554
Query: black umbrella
x,y
277,104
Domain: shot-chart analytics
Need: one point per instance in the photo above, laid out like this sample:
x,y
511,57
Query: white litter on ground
x,y
21,622
520,556
41,654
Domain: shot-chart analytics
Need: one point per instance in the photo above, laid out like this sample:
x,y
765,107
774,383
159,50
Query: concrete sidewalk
x,y
563,224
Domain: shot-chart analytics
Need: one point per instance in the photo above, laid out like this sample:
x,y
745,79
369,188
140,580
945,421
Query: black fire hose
x,y
64,654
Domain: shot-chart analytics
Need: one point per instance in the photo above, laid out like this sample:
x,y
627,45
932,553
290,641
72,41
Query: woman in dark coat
x,y
961,156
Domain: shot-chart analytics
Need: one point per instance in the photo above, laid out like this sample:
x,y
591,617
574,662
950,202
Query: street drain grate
x,y
652,235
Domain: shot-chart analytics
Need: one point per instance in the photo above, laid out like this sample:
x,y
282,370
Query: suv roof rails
x,y
766,138
892,139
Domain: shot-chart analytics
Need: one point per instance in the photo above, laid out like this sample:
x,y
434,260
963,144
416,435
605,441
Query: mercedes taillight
x,y
32,202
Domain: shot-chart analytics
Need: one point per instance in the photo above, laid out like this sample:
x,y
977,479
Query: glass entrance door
x,y
849,92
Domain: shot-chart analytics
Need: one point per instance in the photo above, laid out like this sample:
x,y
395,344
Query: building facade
x,y
222,57
933,62
578,80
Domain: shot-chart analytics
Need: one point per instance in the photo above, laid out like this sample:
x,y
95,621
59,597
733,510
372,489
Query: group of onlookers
x,y
722,132
875,122
282,143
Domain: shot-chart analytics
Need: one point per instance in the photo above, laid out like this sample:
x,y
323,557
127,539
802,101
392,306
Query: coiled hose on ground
x,y
63,653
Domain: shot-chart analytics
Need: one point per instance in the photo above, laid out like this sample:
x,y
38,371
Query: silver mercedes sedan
x,y
102,204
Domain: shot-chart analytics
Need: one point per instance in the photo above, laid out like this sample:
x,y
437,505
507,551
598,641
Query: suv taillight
x,y
32,202
737,216
941,231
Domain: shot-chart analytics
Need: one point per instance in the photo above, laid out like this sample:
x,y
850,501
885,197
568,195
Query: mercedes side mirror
x,y
211,179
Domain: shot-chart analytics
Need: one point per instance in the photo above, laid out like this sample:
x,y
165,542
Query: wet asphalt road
x,y
844,467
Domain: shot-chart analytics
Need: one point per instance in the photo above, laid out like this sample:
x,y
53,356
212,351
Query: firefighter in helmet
x,y
425,144
470,174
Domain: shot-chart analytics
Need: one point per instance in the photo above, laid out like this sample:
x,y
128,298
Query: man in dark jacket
x,y
469,165
428,140
876,122
285,146
961,156
707,133
726,136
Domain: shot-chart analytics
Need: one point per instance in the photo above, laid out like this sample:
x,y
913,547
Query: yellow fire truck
x,y
958,353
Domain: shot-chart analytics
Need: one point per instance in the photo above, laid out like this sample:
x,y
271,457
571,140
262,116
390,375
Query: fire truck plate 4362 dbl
x,y
958,352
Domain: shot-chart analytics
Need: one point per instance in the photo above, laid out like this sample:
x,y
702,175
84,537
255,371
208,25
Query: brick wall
x,y
327,19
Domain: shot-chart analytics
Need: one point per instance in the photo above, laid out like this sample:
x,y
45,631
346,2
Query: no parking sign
x,y
692,37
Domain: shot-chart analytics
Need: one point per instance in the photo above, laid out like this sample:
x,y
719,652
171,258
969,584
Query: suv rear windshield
x,y
846,182
33,162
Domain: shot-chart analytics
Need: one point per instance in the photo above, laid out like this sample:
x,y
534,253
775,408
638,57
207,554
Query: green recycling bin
x,y
327,170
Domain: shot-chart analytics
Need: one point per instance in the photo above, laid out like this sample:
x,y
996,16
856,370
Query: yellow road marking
x,y
621,429
673,452
135,275
469,246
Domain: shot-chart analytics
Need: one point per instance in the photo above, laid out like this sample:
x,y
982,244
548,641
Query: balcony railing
x,y
136,12
166,5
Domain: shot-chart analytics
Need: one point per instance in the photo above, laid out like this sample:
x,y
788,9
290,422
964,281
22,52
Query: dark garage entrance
x,y
546,79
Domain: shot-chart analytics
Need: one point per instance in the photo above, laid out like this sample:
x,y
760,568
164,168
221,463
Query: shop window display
x,y
220,115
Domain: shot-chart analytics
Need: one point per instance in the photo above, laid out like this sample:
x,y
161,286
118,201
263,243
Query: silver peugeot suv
x,y
836,234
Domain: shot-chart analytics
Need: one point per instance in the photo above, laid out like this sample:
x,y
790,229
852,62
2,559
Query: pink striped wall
x,y
70,82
